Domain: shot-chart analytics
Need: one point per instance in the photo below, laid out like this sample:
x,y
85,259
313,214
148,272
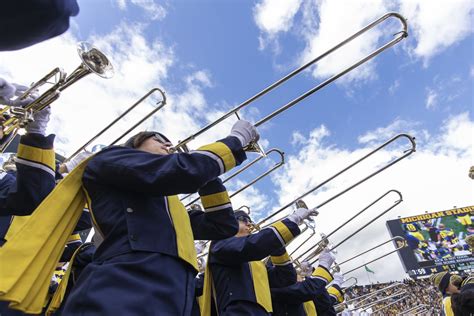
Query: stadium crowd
x,y
418,293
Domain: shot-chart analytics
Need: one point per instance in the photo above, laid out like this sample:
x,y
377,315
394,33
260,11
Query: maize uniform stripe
x,y
42,156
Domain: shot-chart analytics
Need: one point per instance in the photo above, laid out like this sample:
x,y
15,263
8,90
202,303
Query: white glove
x,y
74,162
326,259
7,90
338,279
41,119
306,268
245,132
20,90
301,214
200,246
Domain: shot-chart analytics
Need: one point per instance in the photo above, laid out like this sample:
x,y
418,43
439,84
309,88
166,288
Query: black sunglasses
x,y
160,139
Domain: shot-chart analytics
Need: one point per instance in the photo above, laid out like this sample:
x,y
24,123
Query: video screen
x,y
436,241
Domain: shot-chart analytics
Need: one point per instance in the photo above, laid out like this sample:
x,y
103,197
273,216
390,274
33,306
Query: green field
x,y
449,222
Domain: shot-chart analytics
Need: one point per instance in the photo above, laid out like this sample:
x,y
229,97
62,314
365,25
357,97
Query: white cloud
x,y
251,197
394,87
297,138
433,178
122,4
396,127
154,10
437,24
431,99
91,103
200,77
337,21
444,91
273,17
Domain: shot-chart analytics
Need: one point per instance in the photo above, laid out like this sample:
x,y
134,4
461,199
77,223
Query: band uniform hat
x,y
136,140
441,280
239,214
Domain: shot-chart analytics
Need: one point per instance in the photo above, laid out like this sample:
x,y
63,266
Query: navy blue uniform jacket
x,y
27,22
22,191
137,269
229,262
289,300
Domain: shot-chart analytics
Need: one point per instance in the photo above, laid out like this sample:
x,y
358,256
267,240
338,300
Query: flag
x,y
368,270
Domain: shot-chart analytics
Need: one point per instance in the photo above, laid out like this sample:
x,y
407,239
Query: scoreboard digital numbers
x,y
435,241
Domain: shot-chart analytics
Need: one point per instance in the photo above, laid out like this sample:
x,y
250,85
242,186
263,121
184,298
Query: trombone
x,y
414,310
158,106
182,145
93,61
203,244
323,243
401,243
395,302
280,153
369,305
369,295
352,285
406,153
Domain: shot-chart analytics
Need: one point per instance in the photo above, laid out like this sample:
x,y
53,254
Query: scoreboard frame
x,y
420,269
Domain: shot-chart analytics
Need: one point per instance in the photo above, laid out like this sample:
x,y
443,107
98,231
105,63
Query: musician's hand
x,y
326,259
338,278
301,214
74,162
41,119
245,132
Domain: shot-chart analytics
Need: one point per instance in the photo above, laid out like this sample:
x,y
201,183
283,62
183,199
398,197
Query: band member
x,y
35,169
61,287
9,225
26,180
462,303
308,296
335,289
448,284
31,22
238,277
147,263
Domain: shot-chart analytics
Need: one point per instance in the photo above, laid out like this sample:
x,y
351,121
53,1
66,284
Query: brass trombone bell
x,y
182,145
93,61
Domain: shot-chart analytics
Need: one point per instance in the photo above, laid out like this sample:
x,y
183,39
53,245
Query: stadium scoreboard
x,y
435,241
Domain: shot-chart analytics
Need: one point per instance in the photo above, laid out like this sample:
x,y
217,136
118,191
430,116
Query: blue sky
x,y
222,38
211,55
